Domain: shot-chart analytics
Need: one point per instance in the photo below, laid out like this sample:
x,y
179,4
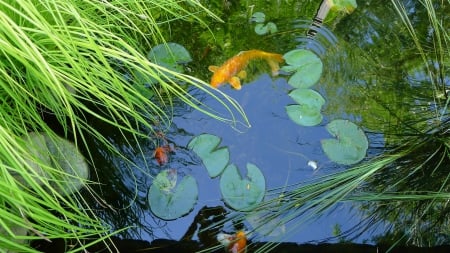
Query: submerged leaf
x,y
170,55
242,193
70,168
206,147
170,201
307,67
350,145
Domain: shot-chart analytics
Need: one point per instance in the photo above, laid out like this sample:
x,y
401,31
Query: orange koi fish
x,y
234,67
160,154
233,243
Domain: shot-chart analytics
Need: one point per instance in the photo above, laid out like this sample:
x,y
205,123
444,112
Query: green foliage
x,y
240,193
350,145
258,17
70,59
347,6
71,170
304,115
260,27
308,110
307,68
214,158
169,199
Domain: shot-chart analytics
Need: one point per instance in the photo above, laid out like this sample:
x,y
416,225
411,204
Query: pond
x,y
362,82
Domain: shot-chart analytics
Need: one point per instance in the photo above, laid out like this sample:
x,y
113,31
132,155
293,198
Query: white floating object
x,y
313,164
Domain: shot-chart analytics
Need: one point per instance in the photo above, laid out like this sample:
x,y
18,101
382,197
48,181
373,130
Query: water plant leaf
x,y
304,115
347,6
75,169
70,168
350,145
206,147
169,200
306,65
242,193
308,97
170,55
262,29
258,17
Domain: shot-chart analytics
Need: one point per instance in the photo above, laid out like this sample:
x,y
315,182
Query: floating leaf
x,y
350,145
70,168
308,97
75,169
170,201
304,115
258,17
347,6
206,147
262,29
239,193
170,55
307,67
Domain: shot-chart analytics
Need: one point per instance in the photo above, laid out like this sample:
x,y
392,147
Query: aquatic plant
x,y
68,61
260,27
170,198
394,187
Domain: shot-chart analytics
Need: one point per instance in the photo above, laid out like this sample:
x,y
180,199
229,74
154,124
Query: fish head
x,y
219,78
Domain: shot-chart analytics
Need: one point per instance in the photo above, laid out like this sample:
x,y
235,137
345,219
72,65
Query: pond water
x,y
279,147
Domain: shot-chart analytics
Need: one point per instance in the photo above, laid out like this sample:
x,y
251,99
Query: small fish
x,y
234,67
234,243
161,154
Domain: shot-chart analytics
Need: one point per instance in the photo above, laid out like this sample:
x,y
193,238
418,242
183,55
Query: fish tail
x,y
274,60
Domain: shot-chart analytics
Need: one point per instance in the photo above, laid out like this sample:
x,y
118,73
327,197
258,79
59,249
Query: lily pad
x,y
206,147
262,29
308,97
170,55
258,17
350,145
70,168
169,200
306,65
71,161
347,6
239,193
304,115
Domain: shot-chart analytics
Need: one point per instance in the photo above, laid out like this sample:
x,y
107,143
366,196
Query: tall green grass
x,y
69,59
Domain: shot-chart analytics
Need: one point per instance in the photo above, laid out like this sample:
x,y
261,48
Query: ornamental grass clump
x,y
71,60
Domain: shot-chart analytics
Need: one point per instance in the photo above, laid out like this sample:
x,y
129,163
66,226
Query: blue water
x,y
278,146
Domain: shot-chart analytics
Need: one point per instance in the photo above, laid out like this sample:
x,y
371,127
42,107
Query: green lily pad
x,y
169,200
75,169
308,97
239,193
70,168
350,145
262,29
304,115
347,6
306,65
258,17
206,147
170,55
